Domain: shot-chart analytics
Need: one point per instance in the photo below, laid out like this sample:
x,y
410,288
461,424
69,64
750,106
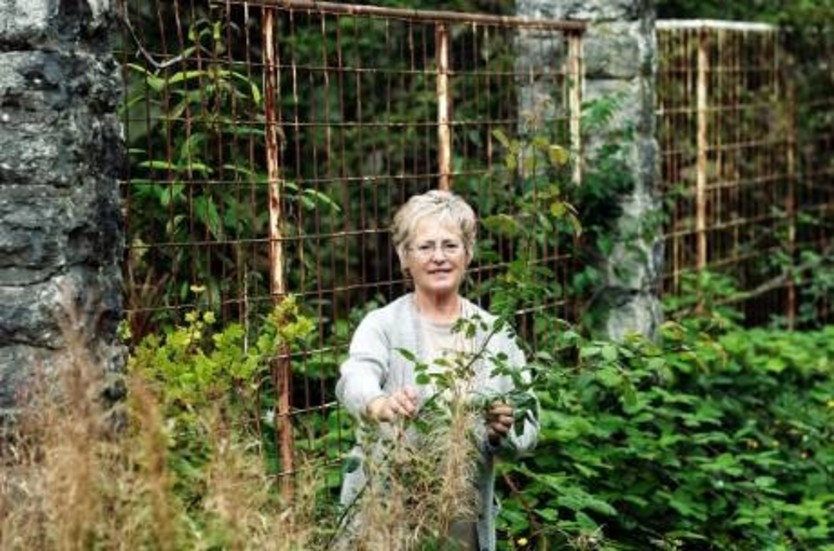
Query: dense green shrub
x,y
692,442
205,377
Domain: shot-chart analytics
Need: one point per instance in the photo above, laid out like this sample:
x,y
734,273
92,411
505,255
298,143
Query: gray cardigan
x,y
375,368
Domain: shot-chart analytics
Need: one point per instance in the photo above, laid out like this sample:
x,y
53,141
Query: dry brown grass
x,y
70,481
77,473
419,483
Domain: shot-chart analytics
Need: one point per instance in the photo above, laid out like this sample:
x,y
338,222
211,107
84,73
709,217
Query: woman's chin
x,y
439,288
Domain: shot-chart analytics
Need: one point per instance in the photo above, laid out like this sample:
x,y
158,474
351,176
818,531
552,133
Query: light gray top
x,y
375,368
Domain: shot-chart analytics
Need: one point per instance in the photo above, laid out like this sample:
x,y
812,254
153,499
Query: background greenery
x,y
712,437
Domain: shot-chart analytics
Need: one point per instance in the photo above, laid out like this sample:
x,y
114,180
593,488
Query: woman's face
x,y
436,257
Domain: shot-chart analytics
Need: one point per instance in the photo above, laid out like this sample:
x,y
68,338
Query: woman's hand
x,y
402,403
499,422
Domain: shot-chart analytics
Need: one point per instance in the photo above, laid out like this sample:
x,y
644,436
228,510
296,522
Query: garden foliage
x,y
698,440
709,436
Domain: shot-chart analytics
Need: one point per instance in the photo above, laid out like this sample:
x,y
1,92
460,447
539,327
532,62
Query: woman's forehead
x,y
435,228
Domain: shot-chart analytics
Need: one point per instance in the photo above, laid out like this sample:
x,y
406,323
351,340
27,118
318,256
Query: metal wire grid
x,y
269,161
727,111
271,144
813,51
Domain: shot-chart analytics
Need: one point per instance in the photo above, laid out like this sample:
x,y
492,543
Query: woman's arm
x,y
363,373
501,425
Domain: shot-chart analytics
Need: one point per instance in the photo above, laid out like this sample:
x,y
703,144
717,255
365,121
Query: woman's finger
x,y
500,409
500,428
404,403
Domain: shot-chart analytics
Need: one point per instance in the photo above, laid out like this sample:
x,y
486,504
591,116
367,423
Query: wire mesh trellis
x,y
272,141
730,137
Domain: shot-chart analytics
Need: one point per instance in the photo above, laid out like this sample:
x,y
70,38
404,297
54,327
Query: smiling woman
x,y
434,235
436,263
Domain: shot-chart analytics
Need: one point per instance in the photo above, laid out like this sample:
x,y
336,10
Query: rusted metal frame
x,y
737,223
427,62
246,301
702,144
319,289
682,40
738,259
667,114
738,188
576,85
719,82
188,120
733,184
433,16
169,156
360,122
474,54
281,367
408,52
126,194
220,180
488,93
444,137
784,72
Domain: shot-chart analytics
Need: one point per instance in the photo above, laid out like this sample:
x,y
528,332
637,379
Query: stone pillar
x,y
60,217
619,60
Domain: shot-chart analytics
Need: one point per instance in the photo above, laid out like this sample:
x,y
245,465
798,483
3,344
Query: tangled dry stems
x,y
420,484
70,480
78,473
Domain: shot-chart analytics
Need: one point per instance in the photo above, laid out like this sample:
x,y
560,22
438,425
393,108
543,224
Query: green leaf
x,y
559,156
207,212
503,224
499,135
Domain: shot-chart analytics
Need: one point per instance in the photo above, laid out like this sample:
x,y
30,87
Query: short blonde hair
x,y
444,207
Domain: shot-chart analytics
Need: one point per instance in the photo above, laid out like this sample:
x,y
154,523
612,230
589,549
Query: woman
x,y
434,235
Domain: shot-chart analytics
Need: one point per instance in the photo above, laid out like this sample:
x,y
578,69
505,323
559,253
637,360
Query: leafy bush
x,y
695,441
179,465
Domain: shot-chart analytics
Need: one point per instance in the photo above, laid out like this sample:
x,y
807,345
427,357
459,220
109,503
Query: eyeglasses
x,y
424,251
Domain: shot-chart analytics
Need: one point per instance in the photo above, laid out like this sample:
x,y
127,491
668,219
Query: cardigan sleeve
x,y
363,373
518,442
526,440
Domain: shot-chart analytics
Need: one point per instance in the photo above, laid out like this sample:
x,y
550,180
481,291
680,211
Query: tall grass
x,y
79,473
421,480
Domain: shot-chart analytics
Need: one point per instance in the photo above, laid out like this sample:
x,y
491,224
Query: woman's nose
x,y
437,255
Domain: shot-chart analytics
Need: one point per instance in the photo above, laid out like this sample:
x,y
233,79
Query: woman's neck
x,y
439,308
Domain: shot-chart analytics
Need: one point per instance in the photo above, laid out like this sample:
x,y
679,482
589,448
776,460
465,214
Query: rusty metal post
x,y
281,369
575,102
702,146
790,198
444,134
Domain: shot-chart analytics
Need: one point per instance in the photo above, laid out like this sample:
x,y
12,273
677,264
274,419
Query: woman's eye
x,y
425,248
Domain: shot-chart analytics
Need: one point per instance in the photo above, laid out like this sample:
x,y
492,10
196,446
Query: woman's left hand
x,y
499,422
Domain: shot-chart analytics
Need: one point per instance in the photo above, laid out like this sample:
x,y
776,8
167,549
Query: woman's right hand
x,y
402,403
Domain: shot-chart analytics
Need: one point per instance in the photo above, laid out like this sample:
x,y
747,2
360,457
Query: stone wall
x,y
60,218
619,59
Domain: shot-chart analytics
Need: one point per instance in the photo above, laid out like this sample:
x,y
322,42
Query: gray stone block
x,y
18,363
23,20
613,50
633,313
27,316
619,58
589,10
60,157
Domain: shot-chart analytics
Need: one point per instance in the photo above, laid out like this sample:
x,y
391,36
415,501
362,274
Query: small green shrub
x,y
695,441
